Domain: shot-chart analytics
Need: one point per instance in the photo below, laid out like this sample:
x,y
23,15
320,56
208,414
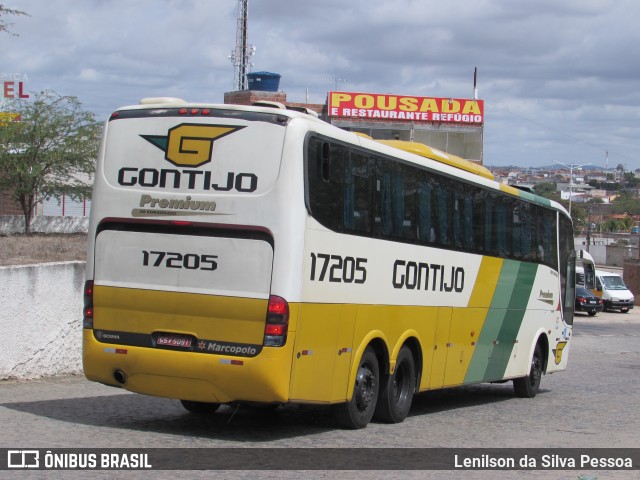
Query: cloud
x,y
550,72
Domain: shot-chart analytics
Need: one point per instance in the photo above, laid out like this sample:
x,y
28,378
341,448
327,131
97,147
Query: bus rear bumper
x,y
188,375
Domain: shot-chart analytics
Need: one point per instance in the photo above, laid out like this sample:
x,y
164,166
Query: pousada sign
x,y
375,106
13,85
8,117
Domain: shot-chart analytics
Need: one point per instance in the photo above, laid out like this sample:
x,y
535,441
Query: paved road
x,y
593,404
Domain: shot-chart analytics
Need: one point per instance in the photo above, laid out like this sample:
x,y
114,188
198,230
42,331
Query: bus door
x,y
323,352
439,359
588,271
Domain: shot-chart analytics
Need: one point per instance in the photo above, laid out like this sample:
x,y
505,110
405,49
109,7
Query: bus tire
x,y
201,408
357,412
527,387
394,401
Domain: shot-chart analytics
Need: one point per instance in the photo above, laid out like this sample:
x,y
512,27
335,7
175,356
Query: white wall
x,y
41,319
10,224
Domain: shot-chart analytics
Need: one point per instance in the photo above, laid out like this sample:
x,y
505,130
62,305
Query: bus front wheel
x,y
527,387
357,412
396,395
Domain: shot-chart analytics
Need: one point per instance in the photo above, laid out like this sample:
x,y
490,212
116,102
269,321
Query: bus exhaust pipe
x,y
120,377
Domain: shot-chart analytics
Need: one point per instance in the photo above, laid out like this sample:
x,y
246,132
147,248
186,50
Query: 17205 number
x,y
335,268
190,261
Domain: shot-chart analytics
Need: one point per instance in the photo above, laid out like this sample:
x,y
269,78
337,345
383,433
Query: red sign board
x,y
14,90
401,108
6,117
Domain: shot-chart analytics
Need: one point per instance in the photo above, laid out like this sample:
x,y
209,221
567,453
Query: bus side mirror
x,y
598,289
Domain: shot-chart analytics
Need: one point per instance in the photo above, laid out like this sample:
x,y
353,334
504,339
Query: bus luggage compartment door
x,y
212,289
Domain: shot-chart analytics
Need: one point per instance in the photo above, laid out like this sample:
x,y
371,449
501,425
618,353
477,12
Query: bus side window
x,y
458,205
462,217
479,204
325,163
551,239
358,193
503,226
489,225
468,219
350,190
426,230
567,267
443,208
395,201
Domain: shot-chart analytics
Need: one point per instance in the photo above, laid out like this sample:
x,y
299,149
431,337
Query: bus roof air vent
x,y
265,103
160,100
306,110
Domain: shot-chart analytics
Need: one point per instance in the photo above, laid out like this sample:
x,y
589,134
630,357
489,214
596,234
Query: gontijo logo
x,y
188,144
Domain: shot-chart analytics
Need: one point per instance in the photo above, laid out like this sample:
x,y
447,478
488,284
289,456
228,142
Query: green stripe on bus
x,y
535,198
512,322
493,322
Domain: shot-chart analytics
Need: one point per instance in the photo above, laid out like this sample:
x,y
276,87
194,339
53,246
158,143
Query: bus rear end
x,y
179,298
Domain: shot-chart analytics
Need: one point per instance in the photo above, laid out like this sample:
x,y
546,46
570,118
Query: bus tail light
x,y
275,332
87,320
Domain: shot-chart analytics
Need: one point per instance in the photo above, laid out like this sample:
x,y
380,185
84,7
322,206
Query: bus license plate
x,y
174,341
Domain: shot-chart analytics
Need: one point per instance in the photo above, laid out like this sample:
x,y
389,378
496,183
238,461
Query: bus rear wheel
x,y
201,408
357,412
527,387
396,395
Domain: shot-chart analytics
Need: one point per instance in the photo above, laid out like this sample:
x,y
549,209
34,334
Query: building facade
x,y
452,125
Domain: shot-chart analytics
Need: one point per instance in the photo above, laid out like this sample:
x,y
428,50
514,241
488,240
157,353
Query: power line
x,y
560,132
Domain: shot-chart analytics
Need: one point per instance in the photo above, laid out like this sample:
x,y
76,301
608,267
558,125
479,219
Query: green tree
x,y
626,223
612,225
4,11
626,203
578,214
547,190
50,152
630,180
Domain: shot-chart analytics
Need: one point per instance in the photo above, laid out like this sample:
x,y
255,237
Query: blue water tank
x,y
263,81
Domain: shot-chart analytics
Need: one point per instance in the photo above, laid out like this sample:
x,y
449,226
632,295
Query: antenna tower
x,y
240,55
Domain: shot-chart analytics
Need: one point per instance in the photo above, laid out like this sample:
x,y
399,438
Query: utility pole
x,y
335,82
240,55
571,166
588,226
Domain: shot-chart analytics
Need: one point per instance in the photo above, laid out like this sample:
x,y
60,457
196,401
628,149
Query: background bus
x,y
251,254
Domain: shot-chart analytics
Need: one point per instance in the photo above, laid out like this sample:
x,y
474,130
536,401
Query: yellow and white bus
x,y
260,255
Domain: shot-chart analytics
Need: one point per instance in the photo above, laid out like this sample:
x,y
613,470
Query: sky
x,y
560,78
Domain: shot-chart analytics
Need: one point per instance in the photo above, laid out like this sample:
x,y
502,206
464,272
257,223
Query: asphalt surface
x,y
594,404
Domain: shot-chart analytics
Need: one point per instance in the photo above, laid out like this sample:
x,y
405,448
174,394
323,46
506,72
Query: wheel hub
x,y
365,388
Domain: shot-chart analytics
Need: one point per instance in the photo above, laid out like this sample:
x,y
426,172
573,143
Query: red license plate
x,y
174,341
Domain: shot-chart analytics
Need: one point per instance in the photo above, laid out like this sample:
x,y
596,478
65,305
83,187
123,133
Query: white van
x,y
614,292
